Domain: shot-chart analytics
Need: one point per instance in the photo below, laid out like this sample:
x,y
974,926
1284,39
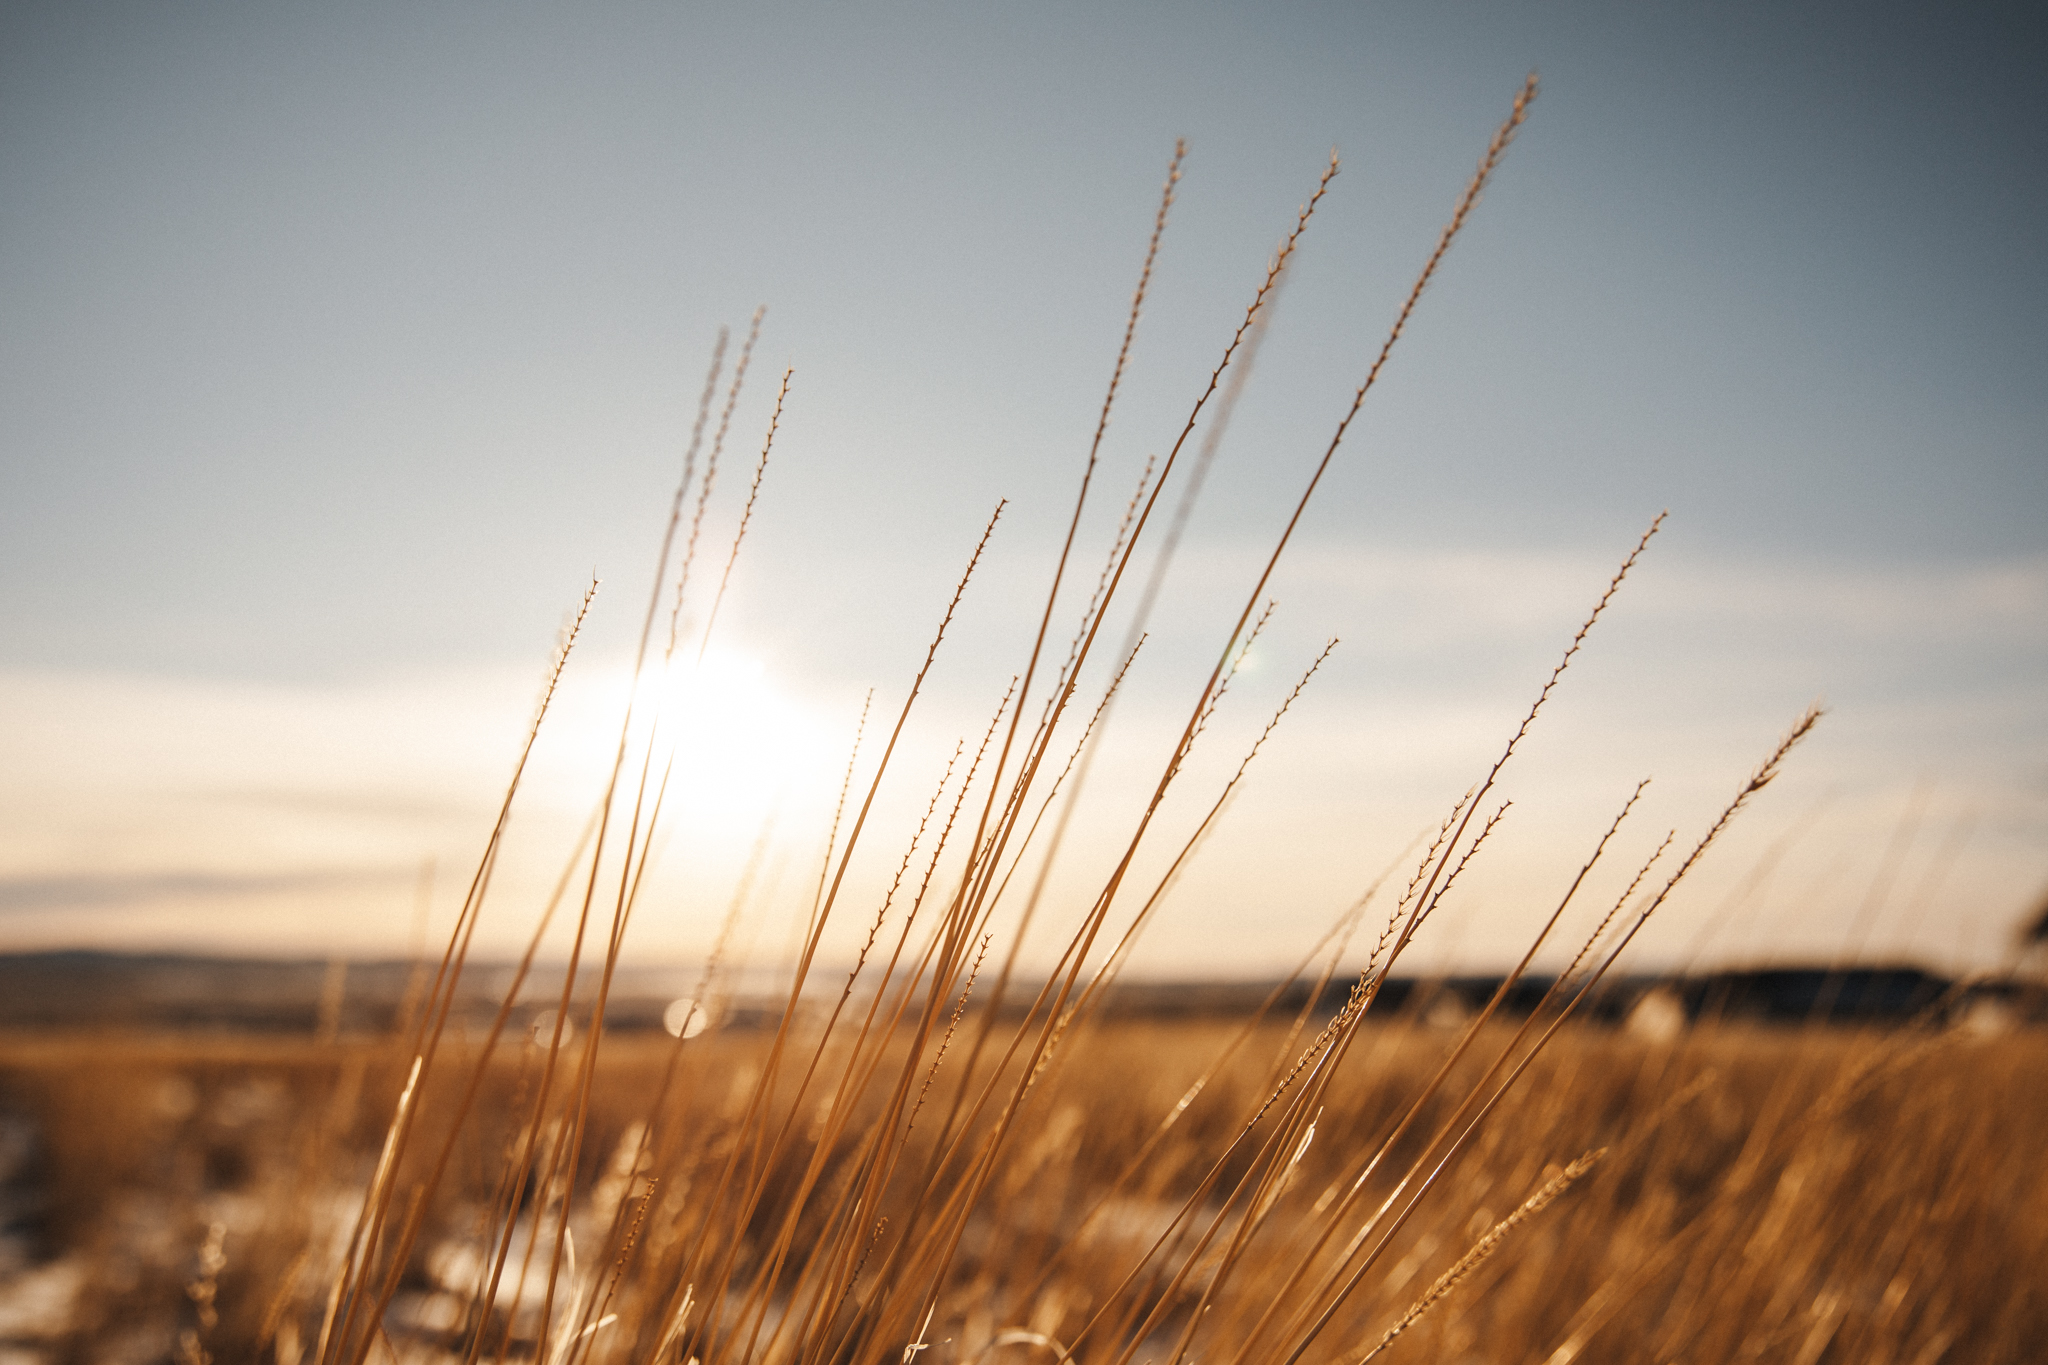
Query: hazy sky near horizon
x,y
339,346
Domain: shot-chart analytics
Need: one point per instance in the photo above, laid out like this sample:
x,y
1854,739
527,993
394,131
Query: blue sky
x,y
339,345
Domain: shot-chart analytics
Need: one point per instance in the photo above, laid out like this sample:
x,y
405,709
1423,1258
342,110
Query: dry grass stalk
x,y
1486,1246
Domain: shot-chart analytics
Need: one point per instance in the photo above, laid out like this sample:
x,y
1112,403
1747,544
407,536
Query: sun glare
x,y
731,738
739,734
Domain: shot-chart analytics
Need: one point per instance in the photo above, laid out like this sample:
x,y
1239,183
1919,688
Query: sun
x,y
738,736
721,739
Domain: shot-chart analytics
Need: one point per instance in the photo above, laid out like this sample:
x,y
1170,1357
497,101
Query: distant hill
x,y
76,989
80,989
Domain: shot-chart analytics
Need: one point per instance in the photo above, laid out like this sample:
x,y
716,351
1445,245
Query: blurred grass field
x,y
1777,1194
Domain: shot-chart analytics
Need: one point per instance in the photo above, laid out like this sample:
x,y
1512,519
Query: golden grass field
x,y
1769,1194
940,1159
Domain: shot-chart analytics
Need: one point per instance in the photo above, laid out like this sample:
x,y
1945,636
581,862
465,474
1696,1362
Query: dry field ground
x,y
1768,1194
